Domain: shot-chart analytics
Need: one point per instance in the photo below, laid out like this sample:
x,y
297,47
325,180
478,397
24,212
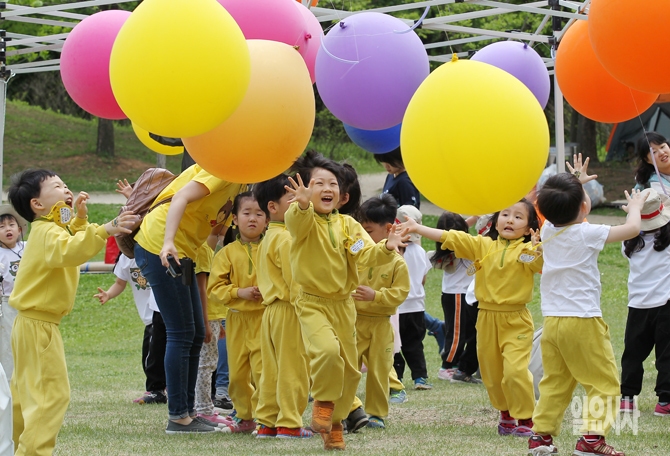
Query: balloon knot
x,y
454,58
296,47
308,36
525,45
342,24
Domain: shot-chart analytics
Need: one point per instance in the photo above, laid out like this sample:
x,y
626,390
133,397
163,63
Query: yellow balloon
x,y
179,67
157,147
474,139
272,126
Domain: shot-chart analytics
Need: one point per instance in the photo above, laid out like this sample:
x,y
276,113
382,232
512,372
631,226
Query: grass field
x,y
103,350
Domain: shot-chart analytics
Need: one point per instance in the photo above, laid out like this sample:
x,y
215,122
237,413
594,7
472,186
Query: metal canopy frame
x,y
13,44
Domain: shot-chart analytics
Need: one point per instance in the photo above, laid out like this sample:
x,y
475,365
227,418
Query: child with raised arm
x,y
326,252
43,294
284,387
503,285
382,289
576,345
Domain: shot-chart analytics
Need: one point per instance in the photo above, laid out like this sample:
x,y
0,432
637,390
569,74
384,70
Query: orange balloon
x,y
272,125
314,2
588,87
631,41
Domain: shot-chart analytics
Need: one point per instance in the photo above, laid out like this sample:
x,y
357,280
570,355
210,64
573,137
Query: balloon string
x,y
417,23
323,46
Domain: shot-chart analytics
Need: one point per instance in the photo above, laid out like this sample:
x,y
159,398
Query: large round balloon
x,y
522,62
368,68
272,126
588,87
474,139
84,63
375,141
630,39
310,42
179,68
154,145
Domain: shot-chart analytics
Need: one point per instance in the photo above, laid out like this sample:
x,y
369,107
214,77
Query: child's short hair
x,y
560,198
351,186
312,159
447,221
533,221
379,209
393,158
271,190
25,186
237,202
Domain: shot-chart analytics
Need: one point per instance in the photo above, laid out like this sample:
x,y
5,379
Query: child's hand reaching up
x,y
394,240
124,188
535,239
635,200
300,193
121,224
250,294
580,170
102,296
80,205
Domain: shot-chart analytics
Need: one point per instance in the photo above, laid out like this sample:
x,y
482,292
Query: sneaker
x,y
661,409
297,433
152,397
445,374
334,440
212,420
461,377
264,432
194,427
507,424
539,445
223,403
599,447
376,423
356,420
398,397
240,426
627,405
522,431
322,416
422,384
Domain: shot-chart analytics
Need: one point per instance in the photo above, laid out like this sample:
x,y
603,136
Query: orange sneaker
x,y
334,440
322,416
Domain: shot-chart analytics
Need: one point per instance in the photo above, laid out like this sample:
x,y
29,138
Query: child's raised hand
x,y
535,238
363,293
300,193
80,204
580,170
122,224
408,226
635,200
102,296
395,239
124,188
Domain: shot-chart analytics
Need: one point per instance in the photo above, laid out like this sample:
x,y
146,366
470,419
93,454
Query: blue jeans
x,y
222,367
436,327
182,313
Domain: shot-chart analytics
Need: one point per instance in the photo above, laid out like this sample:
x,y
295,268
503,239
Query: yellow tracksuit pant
x,y
40,386
374,341
394,382
577,350
504,343
329,332
243,334
284,384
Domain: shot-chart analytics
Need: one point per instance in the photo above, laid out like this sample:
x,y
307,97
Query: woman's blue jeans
x,y
182,313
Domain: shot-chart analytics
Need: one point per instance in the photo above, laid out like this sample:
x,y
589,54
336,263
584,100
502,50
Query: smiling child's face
x,y
53,190
325,191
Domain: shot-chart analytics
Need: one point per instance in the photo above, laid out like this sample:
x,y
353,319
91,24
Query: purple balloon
x,y
368,68
522,62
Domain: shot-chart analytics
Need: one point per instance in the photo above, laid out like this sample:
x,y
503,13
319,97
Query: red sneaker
x,y
599,447
238,426
627,405
541,445
265,432
297,433
662,410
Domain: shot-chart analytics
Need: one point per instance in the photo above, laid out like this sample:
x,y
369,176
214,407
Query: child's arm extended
x,y
410,226
116,289
631,228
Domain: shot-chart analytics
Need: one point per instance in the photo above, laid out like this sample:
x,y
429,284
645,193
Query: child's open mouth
x,y
327,199
69,202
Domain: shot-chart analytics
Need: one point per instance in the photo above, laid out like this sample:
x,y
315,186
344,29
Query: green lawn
x,y
103,346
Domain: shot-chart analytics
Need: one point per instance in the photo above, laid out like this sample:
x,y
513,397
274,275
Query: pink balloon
x,y
311,39
84,63
273,20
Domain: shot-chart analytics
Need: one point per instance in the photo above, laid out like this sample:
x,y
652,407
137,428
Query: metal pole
x,y
558,125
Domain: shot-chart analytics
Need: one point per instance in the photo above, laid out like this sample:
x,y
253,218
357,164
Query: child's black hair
x,y
25,186
305,166
379,209
661,241
533,221
237,202
393,158
352,187
645,170
9,217
447,221
560,198
271,190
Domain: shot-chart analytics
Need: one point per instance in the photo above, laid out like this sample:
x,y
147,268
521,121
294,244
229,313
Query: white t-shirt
x,y
570,283
418,266
126,269
10,259
457,281
649,278
470,297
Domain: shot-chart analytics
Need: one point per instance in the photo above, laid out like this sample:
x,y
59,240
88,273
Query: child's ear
x,y
36,205
344,199
272,207
389,226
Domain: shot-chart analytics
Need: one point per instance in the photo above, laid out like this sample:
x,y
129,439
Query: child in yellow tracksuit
x,y
382,290
44,293
233,282
284,387
326,252
506,263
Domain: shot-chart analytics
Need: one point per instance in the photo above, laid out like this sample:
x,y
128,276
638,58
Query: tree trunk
x,y
586,137
160,161
105,145
574,124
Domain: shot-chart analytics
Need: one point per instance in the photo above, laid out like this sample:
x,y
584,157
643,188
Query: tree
x,y
105,144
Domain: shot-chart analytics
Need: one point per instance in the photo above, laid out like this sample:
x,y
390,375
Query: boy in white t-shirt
x,y
153,345
411,312
576,345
